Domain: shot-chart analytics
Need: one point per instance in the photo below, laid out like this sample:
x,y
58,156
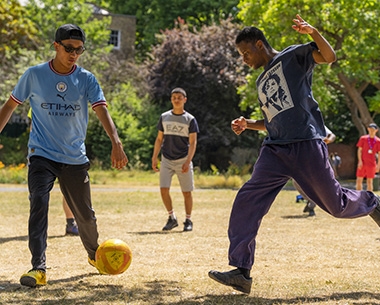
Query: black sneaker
x,y
72,229
172,223
233,278
306,209
188,225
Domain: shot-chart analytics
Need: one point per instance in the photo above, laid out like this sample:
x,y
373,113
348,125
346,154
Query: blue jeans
x,y
307,162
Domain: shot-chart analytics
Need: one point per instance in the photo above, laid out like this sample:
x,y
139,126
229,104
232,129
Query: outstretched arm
x,y
325,53
240,124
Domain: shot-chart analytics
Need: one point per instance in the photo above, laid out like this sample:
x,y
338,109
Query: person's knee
x,y
187,194
164,190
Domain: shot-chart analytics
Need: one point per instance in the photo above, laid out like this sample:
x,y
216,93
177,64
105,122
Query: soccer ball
x,y
113,257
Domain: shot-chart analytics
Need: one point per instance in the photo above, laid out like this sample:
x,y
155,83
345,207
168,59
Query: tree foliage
x,y
17,33
207,65
133,117
154,16
48,15
352,27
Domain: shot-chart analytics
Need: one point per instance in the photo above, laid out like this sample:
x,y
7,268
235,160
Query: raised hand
x,y
301,26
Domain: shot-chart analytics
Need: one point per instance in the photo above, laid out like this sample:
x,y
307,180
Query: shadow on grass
x,y
351,298
71,291
4,240
296,216
157,232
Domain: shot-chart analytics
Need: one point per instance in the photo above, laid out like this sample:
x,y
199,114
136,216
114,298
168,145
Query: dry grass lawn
x,y
299,260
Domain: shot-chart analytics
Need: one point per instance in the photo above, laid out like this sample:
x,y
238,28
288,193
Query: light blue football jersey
x,y
60,104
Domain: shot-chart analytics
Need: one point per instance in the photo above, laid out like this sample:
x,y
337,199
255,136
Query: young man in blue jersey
x,y
295,137
59,92
177,141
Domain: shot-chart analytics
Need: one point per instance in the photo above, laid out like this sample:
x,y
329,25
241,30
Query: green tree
x,y
17,34
48,15
17,31
352,27
154,16
133,117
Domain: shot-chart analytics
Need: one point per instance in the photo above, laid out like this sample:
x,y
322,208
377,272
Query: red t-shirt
x,y
370,146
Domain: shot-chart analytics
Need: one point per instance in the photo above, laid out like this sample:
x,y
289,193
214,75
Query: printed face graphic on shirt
x,y
274,93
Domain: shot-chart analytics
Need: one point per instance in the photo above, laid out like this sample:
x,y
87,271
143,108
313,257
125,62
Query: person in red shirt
x,y
368,165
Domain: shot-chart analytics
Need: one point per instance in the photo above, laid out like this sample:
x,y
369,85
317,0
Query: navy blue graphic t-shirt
x,y
286,100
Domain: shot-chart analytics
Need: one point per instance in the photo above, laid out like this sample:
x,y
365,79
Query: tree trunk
x,y
361,116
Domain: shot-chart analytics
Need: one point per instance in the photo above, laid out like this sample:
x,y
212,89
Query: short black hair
x,y
251,34
179,90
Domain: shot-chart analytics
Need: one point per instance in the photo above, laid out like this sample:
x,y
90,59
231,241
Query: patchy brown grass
x,y
300,260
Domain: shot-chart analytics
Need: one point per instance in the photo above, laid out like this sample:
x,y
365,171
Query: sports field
x,y
300,260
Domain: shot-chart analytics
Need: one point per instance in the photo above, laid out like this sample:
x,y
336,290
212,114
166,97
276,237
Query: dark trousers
x,y
308,164
75,186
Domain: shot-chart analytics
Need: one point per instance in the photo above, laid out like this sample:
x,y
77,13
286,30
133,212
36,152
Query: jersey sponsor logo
x,y
274,94
61,109
58,106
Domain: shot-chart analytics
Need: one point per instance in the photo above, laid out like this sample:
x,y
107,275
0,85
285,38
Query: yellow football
x,y
113,256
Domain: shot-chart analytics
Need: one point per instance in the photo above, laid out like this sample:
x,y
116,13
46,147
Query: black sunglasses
x,y
78,51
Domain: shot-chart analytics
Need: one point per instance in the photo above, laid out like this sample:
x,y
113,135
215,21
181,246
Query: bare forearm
x,y
156,149
6,112
191,151
118,157
255,124
108,124
192,147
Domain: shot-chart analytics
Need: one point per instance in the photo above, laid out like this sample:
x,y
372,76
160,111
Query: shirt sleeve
x,y
22,90
360,142
160,126
193,126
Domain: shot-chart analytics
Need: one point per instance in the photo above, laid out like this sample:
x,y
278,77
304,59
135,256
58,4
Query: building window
x,y
115,39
